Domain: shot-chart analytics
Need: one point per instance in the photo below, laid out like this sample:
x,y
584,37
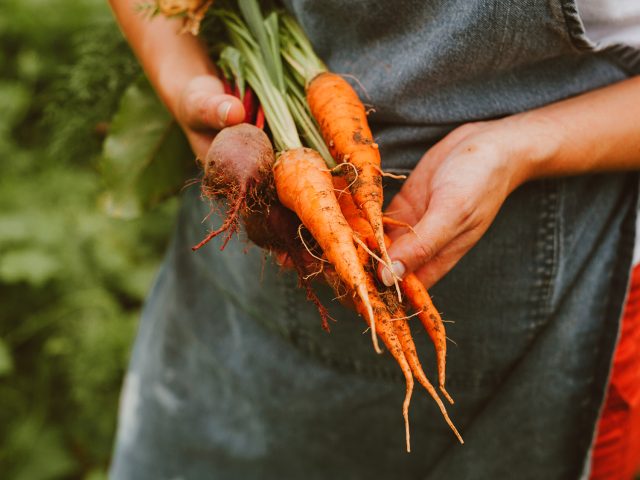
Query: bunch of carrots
x,y
317,198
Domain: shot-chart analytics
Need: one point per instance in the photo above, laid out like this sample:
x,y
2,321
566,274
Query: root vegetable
x,y
430,318
416,295
238,168
276,230
304,185
402,330
342,119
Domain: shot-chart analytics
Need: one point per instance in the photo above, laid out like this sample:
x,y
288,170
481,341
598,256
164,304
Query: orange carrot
x,y
419,298
388,221
304,185
387,334
343,122
276,230
401,327
353,214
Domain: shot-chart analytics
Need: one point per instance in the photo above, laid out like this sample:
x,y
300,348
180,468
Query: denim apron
x,y
232,377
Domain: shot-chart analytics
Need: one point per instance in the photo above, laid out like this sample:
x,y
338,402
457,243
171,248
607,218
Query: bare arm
x,y
459,185
181,72
596,131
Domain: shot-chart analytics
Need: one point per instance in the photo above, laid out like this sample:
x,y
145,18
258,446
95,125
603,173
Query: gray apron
x,y
231,375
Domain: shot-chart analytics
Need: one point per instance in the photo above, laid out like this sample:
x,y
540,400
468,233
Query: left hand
x,y
454,194
202,109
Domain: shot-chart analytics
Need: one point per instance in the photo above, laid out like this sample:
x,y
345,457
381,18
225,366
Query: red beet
x,y
277,229
238,167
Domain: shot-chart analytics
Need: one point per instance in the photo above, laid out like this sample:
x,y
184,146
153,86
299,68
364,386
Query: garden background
x,y
72,278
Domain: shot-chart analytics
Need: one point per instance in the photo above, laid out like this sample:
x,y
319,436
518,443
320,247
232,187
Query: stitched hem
x,y
575,26
625,56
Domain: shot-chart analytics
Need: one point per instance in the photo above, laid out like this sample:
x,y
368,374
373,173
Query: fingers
x,y
447,231
450,199
443,261
203,105
416,248
403,209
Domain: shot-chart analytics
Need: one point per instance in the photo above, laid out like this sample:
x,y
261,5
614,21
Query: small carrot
x,y
403,332
304,185
392,342
419,298
401,328
343,123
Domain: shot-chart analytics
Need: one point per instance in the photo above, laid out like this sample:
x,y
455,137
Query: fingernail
x,y
223,112
398,270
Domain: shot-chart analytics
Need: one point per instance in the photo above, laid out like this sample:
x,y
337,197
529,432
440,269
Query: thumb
x,y
412,250
203,105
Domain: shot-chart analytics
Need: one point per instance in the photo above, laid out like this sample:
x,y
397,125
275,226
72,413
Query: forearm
x,y
169,59
460,184
595,131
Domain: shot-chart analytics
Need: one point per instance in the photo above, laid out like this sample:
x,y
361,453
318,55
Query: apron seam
x,y
547,251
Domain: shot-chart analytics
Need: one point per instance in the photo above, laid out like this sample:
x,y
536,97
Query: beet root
x,y
277,229
237,167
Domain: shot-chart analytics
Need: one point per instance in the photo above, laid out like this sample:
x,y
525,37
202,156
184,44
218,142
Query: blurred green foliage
x,y
145,157
72,280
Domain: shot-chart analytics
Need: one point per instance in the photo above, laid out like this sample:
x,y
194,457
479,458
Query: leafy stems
x,y
255,56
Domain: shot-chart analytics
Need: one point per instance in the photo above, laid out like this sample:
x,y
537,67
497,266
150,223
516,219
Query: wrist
x,y
169,58
535,145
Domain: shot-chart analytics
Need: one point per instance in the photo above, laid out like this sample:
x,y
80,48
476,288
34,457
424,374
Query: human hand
x,y
453,195
203,109
180,69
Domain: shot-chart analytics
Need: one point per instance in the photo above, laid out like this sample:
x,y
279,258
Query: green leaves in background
x,y
145,157
72,280
37,452
32,265
6,360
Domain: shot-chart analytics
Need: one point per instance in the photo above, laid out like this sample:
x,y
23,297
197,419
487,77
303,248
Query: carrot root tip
x,y
364,296
422,378
446,395
405,414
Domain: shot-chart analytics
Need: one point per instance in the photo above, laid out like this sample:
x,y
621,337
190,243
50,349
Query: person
x,y
519,134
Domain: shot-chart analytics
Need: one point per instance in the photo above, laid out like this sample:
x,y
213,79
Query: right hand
x,y
203,109
454,193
